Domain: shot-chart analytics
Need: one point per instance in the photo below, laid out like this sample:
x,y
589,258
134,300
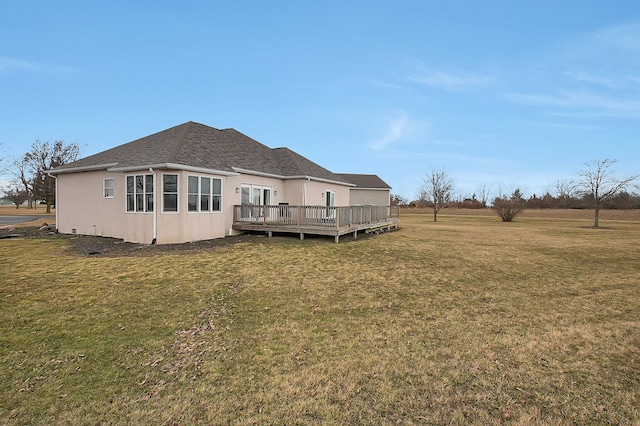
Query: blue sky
x,y
501,94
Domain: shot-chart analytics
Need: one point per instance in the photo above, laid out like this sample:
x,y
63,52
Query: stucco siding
x,y
82,207
375,197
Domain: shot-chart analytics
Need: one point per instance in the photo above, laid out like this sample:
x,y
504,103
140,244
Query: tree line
x,y
596,187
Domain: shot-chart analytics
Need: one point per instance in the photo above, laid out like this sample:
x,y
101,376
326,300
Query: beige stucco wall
x,y
83,209
376,197
316,192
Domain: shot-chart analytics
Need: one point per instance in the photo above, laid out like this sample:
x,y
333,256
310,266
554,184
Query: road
x,y
11,220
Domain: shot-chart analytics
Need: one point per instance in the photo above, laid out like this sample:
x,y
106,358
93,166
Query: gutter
x,y
174,167
309,178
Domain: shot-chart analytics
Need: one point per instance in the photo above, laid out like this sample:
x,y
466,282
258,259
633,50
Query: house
x,y
194,182
367,190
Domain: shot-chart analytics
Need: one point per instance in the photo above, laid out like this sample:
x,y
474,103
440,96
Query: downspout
x,y
155,207
56,179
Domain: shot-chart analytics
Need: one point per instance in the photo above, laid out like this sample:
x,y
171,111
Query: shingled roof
x,y
364,181
194,145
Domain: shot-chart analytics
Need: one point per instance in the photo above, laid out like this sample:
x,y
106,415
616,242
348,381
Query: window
x,y
205,194
139,193
192,203
331,198
108,188
217,195
170,193
148,192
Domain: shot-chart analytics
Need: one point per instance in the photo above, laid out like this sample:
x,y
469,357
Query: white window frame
x,y
199,195
141,195
176,193
330,198
108,191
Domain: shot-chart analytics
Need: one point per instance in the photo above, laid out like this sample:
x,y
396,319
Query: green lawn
x,y
467,320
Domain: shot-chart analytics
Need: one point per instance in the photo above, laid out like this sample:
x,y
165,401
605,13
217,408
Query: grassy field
x,y
465,321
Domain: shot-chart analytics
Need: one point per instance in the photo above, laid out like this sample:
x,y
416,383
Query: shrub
x,y
508,208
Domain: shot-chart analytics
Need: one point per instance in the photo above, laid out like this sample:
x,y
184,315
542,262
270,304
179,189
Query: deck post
x,y
301,236
337,239
355,234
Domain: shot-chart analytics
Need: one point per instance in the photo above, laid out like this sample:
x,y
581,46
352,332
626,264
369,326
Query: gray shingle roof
x,y
365,181
196,145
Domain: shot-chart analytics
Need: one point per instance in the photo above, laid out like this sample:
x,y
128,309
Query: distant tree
x,y
507,208
22,173
398,200
43,157
483,193
14,193
437,188
598,185
566,195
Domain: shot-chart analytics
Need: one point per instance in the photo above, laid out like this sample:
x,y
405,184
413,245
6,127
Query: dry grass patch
x,y
467,320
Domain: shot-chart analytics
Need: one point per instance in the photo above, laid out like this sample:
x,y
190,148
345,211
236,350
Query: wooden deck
x,y
316,220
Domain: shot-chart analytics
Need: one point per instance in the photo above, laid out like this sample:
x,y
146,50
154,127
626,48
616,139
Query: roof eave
x,y
173,166
303,177
91,168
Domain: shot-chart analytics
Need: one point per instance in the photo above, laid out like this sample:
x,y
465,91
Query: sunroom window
x,y
139,193
205,194
169,193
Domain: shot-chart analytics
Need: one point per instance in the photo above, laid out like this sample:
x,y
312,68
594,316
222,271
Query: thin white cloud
x,y
7,64
573,126
625,36
448,80
396,130
14,64
589,78
582,103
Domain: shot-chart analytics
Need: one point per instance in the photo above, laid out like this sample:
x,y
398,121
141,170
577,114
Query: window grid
x,y
170,193
204,194
139,193
108,188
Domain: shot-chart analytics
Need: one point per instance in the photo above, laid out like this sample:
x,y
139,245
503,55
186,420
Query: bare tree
x,y
483,193
565,193
21,171
437,189
15,193
598,184
43,157
508,207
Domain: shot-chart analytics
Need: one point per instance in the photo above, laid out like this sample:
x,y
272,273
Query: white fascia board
x,y
82,169
256,173
303,177
324,180
173,167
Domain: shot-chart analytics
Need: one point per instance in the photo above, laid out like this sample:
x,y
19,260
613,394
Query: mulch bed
x,y
102,246
86,245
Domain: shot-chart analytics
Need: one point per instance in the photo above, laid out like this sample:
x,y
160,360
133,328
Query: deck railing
x,y
313,216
